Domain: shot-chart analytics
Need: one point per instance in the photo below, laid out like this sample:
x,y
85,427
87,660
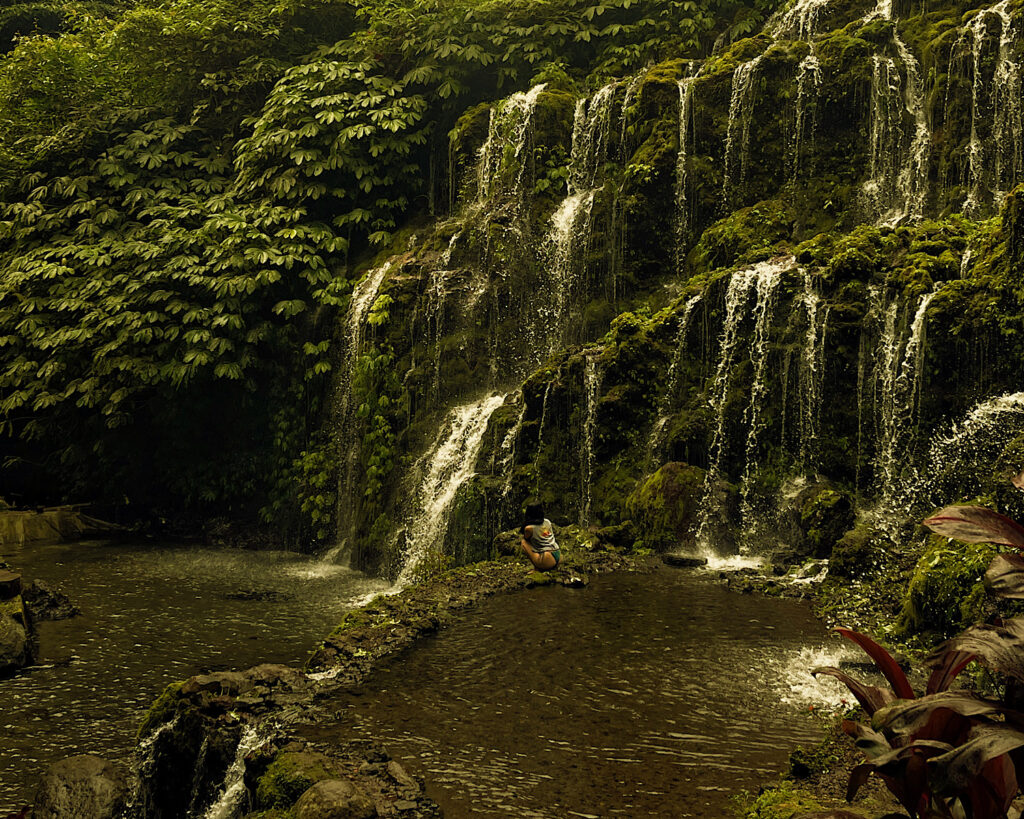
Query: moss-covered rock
x,y
855,552
664,507
946,591
290,775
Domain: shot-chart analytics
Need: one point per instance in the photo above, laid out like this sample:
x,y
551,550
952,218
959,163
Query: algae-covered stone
x,y
946,592
290,775
664,507
334,799
854,553
81,787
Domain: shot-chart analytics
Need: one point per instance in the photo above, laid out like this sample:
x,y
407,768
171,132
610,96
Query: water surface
x,y
151,615
641,695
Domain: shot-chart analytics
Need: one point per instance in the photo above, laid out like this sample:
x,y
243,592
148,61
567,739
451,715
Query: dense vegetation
x,y
186,188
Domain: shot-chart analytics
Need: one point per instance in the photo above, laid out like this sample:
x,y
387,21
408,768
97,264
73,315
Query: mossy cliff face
x,y
752,268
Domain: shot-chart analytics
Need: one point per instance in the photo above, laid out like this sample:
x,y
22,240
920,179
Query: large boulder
x,y
81,787
812,520
334,799
664,508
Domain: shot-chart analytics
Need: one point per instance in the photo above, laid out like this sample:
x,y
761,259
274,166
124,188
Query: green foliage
x,y
946,592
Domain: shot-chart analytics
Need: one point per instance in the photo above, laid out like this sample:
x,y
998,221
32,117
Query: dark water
x,y
151,615
639,696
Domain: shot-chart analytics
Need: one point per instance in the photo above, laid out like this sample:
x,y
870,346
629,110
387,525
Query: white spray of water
x,y
229,803
446,467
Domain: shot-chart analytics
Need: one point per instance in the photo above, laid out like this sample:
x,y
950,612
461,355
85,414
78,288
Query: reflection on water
x,y
151,615
639,696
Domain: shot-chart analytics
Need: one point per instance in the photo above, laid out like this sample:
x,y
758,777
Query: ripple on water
x,y
152,615
639,696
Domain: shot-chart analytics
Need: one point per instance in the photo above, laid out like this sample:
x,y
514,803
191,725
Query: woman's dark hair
x,y
533,515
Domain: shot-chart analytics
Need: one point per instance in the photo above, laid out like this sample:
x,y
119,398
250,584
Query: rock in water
x,y
45,603
684,560
14,645
10,584
334,799
81,787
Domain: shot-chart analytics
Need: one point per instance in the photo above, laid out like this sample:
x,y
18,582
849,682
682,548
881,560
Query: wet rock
x,y
290,775
572,580
15,642
81,787
683,561
506,544
334,799
263,596
398,773
10,584
622,535
45,603
664,507
534,579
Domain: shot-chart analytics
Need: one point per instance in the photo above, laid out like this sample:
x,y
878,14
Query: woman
x,y
537,537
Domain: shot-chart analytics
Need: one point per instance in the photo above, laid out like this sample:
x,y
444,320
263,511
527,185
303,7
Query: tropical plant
x,y
950,753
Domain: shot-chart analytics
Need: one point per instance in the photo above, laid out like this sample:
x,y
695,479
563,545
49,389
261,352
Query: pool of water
x,y
151,615
641,695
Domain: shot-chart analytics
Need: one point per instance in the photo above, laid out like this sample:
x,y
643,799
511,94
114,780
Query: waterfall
x,y
808,89
871,319
767,288
591,390
800,21
812,367
898,411
364,294
669,397
507,452
740,284
448,465
540,430
682,197
959,461
898,180
1008,129
737,138
230,801
510,127
571,228
994,149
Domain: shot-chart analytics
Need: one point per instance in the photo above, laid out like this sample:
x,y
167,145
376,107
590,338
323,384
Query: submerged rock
x,y
81,787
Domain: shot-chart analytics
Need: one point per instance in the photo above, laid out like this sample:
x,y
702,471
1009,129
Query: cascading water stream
x,y
447,466
808,89
364,294
736,297
510,127
229,804
669,397
898,181
993,152
571,226
592,376
901,392
737,138
682,197
767,290
812,369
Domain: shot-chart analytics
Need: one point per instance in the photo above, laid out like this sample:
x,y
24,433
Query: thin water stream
x,y
151,615
641,695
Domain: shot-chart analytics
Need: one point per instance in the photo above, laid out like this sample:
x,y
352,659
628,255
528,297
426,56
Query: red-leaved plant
x,y
949,754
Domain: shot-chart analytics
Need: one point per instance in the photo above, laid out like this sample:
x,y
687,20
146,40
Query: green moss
x,y
946,592
746,235
664,506
289,776
854,553
161,711
784,801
